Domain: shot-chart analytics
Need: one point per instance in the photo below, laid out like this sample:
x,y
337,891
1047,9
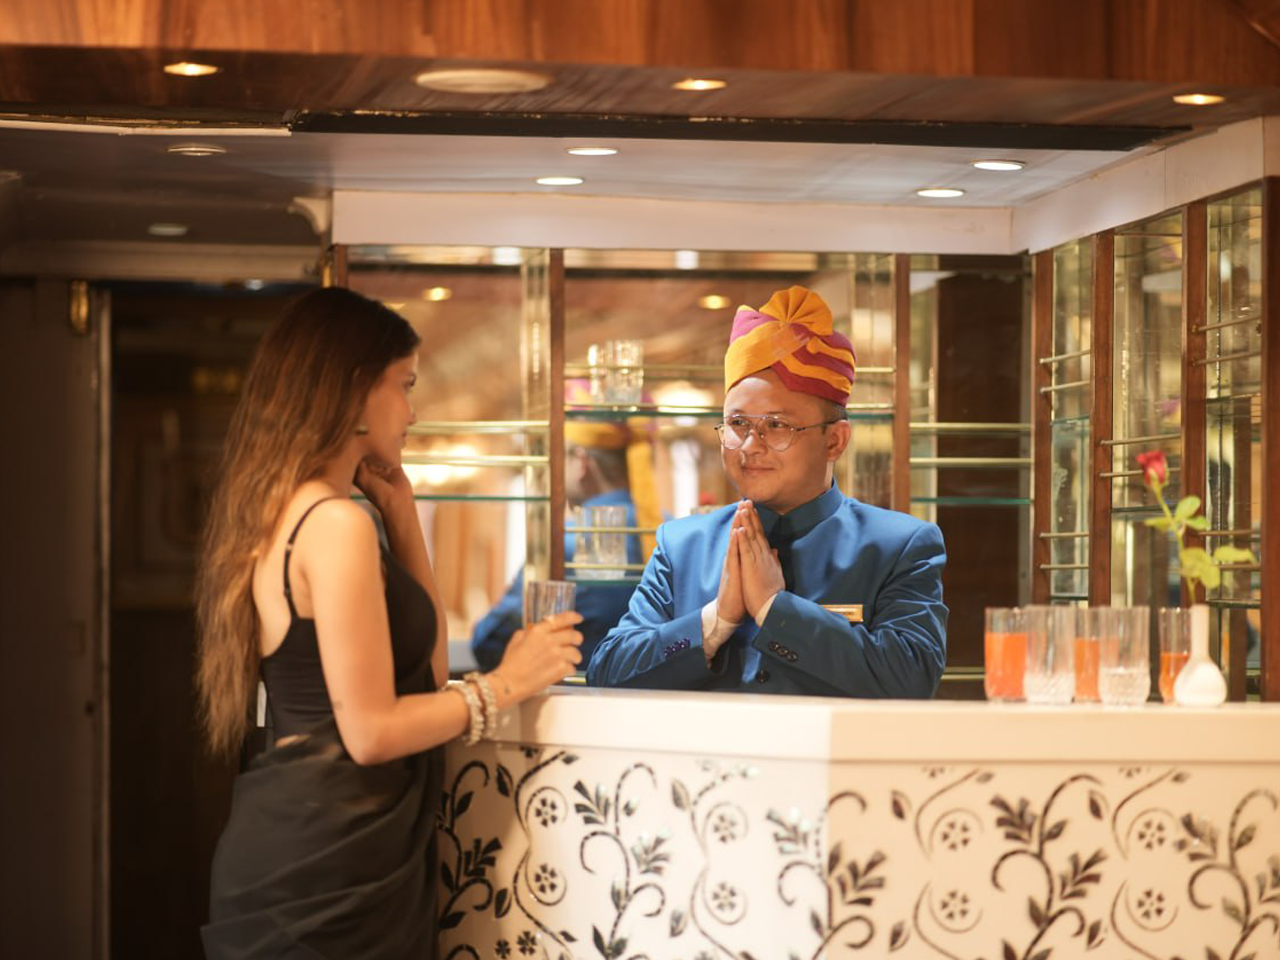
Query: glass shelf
x,y
595,582
619,411
974,501
471,498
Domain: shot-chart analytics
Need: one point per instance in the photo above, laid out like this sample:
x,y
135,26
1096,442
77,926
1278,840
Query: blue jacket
x,y
601,606
834,550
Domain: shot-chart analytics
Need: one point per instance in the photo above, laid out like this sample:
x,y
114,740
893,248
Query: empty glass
x,y
542,598
616,371
1124,667
1051,636
1005,653
607,549
1175,647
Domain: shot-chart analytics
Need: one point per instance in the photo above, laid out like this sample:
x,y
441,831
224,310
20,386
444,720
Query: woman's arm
x,y
337,555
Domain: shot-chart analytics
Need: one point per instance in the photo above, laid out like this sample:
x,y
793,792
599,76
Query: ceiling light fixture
x,y
1198,99
196,149
698,83
559,181
185,68
592,151
940,193
713,301
1002,166
167,229
481,80
436,294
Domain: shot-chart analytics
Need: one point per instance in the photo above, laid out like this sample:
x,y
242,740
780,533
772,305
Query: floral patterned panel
x,y
555,853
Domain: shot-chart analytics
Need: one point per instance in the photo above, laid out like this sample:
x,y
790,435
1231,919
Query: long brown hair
x,y
301,402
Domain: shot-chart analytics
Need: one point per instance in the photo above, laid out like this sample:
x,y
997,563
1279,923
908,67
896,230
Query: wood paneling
x,y
1041,430
1102,419
1270,439
1195,265
900,495
555,408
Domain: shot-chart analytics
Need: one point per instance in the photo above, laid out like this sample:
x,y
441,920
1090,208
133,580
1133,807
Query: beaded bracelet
x,y
476,728
490,702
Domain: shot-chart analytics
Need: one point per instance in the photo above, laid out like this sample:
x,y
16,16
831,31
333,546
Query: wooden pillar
x,y
1270,546
1195,269
333,271
900,497
555,409
1041,426
1101,419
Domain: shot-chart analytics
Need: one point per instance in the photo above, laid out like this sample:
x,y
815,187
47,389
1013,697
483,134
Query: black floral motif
x,y
955,906
724,898
1151,833
724,827
502,949
468,869
956,833
546,810
527,943
546,880
1150,905
1130,772
934,772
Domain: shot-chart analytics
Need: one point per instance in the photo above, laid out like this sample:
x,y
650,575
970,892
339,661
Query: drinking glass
x,y
542,598
1124,666
1175,647
1093,624
608,549
1051,636
1005,653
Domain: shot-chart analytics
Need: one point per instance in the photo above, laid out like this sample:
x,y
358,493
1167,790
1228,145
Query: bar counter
x,y
681,826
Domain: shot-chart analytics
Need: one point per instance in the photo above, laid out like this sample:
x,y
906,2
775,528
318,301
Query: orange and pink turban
x,y
792,335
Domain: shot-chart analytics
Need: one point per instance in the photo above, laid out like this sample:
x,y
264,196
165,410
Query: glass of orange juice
x,y
1093,624
1175,647
1005,653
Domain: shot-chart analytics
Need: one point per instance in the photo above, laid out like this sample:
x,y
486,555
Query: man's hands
x,y
751,573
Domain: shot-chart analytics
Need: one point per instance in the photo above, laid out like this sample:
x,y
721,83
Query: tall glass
x,y
1051,637
1175,647
1124,674
1094,623
543,598
1005,653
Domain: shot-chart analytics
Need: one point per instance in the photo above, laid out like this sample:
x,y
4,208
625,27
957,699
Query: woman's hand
x,y
537,657
386,486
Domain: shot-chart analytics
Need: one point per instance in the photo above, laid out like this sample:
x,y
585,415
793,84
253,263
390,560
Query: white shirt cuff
x,y
715,630
764,609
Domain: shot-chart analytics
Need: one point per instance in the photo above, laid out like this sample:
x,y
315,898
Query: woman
x,y
330,848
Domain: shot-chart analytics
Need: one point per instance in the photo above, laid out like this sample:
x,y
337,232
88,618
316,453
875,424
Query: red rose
x,y
1154,467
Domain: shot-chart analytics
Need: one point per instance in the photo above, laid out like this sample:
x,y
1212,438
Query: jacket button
x,y
762,676
792,656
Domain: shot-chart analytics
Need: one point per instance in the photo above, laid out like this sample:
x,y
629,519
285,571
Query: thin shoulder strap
x,y
288,552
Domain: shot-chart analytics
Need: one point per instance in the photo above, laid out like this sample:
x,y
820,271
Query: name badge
x,y
850,611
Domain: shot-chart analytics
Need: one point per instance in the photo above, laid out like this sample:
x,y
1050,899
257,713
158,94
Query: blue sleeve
x,y
651,647
490,636
900,653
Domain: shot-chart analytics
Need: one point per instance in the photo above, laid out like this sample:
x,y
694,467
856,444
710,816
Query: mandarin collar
x,y
803,518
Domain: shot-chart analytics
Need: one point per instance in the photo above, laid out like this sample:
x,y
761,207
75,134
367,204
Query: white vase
x,y
1200,683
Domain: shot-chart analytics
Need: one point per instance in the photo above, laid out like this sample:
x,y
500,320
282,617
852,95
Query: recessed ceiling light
x,y
559,181
939,193
196,149
1198,99
592,151
436,294
1003,166
713,301
185,68
167,229
480,80
698,83
686,259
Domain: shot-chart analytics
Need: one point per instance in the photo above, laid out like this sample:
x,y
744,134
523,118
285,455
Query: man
x,y
606,464
734,600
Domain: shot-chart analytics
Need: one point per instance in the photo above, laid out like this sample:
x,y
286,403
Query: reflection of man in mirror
x,y
736,599
607,463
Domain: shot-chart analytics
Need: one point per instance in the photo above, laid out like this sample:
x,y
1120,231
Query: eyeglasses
x,y
776,433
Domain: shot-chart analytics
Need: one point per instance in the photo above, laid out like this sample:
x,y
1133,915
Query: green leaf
x,y
1212,578
1196,562
1186,507
1160,523
1230,554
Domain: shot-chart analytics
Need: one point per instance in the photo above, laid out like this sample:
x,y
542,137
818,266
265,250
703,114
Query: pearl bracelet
x,y
476,728
490,702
